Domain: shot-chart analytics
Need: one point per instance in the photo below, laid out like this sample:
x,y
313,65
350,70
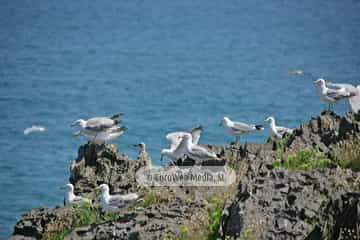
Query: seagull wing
x,y
283,130
348,87
202,153
196,133
99,123
242,127
122,199
174,138
338,94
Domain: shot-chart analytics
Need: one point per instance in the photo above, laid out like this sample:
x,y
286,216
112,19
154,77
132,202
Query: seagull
x,y
104,136
354,100
96,125
176,151
239,128
34,128
277,130
196,152
331,96
143,157
113,203
70,197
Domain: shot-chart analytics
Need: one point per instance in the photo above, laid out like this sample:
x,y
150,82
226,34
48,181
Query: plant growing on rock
x,y
348,155
215,208
305,159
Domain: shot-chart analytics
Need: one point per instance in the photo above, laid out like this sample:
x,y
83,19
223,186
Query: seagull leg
x,y
237,139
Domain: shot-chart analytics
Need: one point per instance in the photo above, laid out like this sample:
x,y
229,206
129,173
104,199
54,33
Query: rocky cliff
x,y
296,188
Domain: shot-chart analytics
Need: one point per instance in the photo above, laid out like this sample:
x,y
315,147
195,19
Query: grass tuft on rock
x,y
305,159
348,155
56,235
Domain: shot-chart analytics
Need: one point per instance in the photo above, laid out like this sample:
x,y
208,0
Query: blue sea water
x,y
169,65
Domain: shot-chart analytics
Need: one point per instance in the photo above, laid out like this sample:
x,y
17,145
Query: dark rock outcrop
x,y
103,164
43,220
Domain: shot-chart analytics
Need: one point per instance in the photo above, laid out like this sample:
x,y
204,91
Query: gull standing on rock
x,y
95,125
239,128
196,152
176,151
143,157
70,197
113,203
277,130
331,96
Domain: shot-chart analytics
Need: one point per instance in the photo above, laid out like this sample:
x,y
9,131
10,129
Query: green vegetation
x,y
148,200
348,155
305,159
215,208
56,235
85,214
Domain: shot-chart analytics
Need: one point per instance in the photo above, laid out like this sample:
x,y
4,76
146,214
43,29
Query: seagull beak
x,y
73,124
136,145
221,124
161,157
62,187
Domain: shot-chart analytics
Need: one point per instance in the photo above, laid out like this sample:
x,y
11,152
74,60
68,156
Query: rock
x,y
43,220
102,164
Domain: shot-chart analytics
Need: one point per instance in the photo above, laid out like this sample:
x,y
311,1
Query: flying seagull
x,y
331,96
34,128
113,203
239,128
70,197
277,130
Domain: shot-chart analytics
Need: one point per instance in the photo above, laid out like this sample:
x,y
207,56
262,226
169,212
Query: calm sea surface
x,y
169,65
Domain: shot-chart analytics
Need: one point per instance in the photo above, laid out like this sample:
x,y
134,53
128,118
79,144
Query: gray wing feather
x,y
99,123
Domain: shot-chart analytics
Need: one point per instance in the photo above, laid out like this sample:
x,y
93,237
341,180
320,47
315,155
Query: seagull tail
x,y
259,127
115,116
130,197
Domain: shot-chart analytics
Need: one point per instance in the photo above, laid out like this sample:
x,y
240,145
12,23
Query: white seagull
x,y
95,125
70,196
355,99
113,203
196,152
239,128
277,130
176,151
34,128
331,96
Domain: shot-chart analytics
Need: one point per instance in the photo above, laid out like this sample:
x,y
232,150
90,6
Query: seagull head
x,y
320,82
198,128
224,121
79,123
270,120
141,145
104,188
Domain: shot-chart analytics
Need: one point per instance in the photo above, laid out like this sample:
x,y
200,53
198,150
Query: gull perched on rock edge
x,y
331,96
95,125
176,151
143,157
70,196
277,130
113,203
239,128
196,152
